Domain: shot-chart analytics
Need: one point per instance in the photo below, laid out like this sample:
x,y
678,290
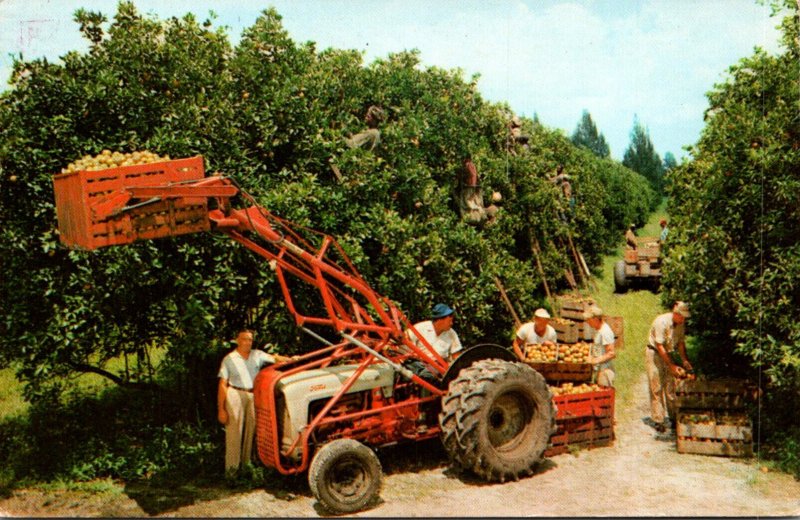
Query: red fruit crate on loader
x,y
81,196
584,421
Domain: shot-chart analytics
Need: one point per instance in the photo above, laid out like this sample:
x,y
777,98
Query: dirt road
x,y
641,475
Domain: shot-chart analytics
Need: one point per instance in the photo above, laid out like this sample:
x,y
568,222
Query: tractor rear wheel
x,y
345,476
620,283
497,418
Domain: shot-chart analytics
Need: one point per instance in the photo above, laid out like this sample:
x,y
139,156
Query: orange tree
x,y
733,250
273,114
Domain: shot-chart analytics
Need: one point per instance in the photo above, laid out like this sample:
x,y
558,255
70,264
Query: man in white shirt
x,y
602,351
535,332
235,405
438,332
666,336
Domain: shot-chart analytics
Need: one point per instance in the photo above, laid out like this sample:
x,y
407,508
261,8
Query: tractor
x,y
640,267
325,412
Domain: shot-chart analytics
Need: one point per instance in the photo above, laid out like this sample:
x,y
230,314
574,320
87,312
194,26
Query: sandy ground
x,y
641,475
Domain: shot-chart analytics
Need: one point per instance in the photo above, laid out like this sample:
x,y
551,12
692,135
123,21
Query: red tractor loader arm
x,y
119,206
494,415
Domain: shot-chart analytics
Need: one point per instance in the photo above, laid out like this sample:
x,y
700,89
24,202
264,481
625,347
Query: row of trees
x,y
273,114
640,156
735,249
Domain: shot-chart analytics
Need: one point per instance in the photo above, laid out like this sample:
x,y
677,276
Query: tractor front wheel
x,y
497,418
345,476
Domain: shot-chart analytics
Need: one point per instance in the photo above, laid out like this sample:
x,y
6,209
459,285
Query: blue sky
x,y
616,58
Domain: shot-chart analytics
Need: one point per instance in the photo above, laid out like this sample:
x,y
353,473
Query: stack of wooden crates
x,y
584,420
713,419
576,310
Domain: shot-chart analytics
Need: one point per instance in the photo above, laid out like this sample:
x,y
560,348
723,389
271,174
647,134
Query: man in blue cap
x,y
439,333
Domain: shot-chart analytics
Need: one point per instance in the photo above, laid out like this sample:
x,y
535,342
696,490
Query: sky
x,y
618,59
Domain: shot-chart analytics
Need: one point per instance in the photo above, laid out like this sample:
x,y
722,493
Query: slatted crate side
x,y
583,421
566,331
574,303
72,210
648,254
719,433
559,448
731,394
563,372
719,447
714,424
587,404
630,256
577,315
78,193
102,182
586,332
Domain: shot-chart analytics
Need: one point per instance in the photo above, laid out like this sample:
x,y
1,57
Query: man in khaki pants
x,y
666,335
235,406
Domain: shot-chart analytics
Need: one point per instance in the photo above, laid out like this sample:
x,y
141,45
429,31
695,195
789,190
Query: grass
x,y
11,402
638,307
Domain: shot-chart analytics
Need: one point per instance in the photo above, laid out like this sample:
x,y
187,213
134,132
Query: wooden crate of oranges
x,y
560,363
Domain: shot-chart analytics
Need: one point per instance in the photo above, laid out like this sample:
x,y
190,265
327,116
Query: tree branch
x,y
90,369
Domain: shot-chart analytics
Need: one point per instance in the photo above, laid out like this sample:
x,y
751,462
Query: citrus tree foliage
x,y
273,114
641,156
734,247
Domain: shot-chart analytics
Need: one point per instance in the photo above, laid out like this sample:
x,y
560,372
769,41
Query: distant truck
x,y
640,267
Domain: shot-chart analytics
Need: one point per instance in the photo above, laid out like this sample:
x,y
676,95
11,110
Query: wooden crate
x,y
725,394
571,314
584,421
631,256
724,434
586,332
77,194
573,302
556,373
648,254
565,332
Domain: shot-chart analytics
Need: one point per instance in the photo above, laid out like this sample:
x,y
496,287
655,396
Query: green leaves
x,y
274,114
734,248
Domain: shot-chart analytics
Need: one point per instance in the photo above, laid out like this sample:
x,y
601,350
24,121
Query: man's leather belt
x,y
242,389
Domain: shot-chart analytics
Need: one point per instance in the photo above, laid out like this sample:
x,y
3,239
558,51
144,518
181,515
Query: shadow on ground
x,y
156,498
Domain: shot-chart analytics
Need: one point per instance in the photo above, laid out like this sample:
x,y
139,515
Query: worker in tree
x,y
664,230
470,196
515,136
602,352
235,406
371,136
535,332
438,332
561,180
630,237
666,337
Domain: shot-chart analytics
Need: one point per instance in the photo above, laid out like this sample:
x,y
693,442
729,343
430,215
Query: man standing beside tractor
x,y
235,407
666,336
